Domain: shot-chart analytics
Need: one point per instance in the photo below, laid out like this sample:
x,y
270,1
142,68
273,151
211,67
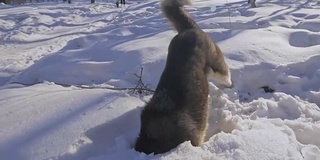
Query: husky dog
x,y
178,110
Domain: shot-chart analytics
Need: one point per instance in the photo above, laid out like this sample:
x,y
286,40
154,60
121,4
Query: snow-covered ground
x,y
275,46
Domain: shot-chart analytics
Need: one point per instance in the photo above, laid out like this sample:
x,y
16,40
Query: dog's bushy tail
x,y
177,15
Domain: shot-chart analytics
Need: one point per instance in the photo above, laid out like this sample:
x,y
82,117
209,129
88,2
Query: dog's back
x,y
188,31
178,110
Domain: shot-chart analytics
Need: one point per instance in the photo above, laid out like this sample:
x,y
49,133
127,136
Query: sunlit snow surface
x,y
275,46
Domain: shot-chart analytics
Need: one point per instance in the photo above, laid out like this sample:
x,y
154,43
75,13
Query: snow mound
x,y
310,24
272,112
300,79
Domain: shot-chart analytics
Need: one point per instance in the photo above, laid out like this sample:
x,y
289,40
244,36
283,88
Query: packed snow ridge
x,y
48,50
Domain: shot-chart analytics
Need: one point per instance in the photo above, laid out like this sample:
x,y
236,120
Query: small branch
x,y
139,88
90,87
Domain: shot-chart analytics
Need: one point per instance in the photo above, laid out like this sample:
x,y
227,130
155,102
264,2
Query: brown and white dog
x,y
178,110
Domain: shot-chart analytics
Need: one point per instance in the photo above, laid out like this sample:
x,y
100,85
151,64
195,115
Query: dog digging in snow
x,y
178,110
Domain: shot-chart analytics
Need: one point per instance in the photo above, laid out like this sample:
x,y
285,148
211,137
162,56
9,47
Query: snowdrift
x,y
49,50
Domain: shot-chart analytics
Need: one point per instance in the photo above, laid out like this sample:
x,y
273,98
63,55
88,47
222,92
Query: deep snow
x,y
275,46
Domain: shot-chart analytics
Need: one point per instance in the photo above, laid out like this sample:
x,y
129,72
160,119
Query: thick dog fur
x,y
178,110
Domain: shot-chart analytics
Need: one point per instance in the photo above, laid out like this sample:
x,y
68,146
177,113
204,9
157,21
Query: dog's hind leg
x,y
219,71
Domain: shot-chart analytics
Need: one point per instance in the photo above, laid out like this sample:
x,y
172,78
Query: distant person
x,y
117,4
123,2
253,3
